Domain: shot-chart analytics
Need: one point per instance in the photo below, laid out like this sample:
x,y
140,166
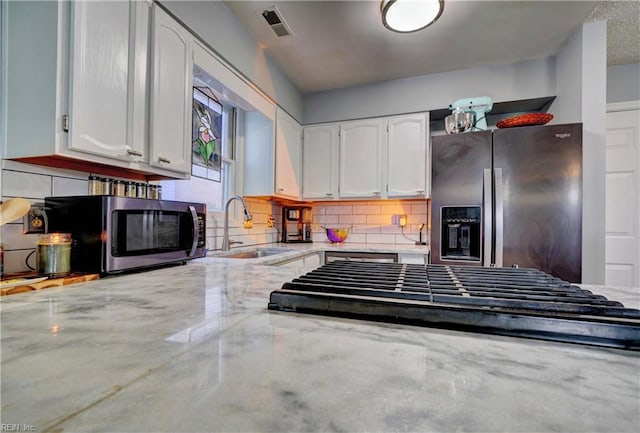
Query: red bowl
x,y
527,119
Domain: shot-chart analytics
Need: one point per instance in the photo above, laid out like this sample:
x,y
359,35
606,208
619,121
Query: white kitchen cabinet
x,y
363,145
71,69
288,155
259,154
320,162
77,85
376,158
171,94
407,156
307,262
107,78
414,258
272,157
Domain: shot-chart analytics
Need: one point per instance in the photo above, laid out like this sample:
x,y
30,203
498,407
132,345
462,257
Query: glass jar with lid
x,y
130,189
152,192
141,190
118,188
95,185
107,186
53,254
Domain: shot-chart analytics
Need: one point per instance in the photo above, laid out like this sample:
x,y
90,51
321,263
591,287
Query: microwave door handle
x,y
194,246
488,216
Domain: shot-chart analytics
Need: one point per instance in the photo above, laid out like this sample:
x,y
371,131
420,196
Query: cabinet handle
x,y
65,123
280,189
329,194
134,152
163,159
376,193
420,191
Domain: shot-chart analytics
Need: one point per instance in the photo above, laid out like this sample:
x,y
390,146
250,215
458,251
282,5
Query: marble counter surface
x,y
295,250
193,348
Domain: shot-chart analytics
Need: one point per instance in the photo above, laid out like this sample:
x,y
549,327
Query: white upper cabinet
x,y
407,156
107,94
77,81
371,158
288,155
320,162
171,94
259,154
362,148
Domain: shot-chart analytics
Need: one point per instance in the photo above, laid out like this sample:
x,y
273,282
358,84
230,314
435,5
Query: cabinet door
x,y
407,156
259,154
171,95
102,78
362,144
320,161
416,259
288,147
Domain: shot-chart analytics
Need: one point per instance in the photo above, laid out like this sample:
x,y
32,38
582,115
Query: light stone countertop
x,y
301,249
193,348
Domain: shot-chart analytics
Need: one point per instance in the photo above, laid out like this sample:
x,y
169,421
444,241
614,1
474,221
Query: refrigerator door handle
x,y
487,210
499,217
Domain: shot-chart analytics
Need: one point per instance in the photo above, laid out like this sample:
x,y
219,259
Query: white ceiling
x,y
343,43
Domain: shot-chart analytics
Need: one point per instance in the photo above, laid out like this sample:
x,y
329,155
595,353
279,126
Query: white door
x,y
622,221
320,161
171,95
103,67
288,149
362,145
407,156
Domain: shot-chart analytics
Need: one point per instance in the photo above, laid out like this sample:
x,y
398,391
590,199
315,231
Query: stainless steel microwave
x,y
115,234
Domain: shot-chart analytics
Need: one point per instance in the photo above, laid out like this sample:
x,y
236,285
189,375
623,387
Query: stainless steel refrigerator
x,y
509,197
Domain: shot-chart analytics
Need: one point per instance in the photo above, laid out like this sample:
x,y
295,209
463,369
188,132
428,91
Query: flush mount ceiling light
x,y
406,16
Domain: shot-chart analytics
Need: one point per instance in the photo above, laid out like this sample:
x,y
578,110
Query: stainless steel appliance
x,y
115,234
511,197
296,224
514,302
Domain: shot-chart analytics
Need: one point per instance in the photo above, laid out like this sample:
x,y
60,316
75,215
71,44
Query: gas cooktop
x,y
504,301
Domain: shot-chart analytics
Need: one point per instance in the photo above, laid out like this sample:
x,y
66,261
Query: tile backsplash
x,y
371,221
35,183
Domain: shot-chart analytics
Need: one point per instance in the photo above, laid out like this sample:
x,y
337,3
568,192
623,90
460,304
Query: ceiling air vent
x,y
273,17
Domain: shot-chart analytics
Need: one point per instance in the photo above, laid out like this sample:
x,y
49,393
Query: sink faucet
x,y
226,245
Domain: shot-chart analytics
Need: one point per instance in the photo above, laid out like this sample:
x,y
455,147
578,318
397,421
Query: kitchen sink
x,y
255,253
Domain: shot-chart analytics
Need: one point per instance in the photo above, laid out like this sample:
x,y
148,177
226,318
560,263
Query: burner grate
x,y
522,302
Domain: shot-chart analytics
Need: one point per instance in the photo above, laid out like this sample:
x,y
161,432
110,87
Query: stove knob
x,y
515,266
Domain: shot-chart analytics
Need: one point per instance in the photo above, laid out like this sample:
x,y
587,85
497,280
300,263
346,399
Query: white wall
x,y
218,27
623,83
566,108
581,74
522,80
594,109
